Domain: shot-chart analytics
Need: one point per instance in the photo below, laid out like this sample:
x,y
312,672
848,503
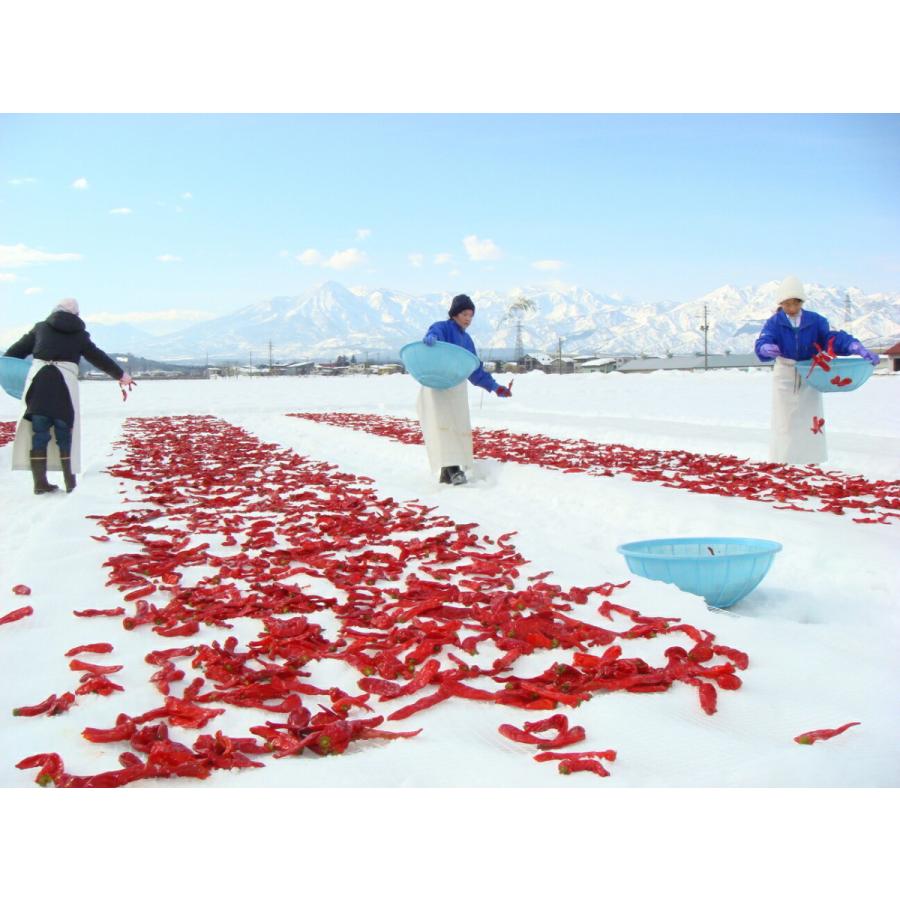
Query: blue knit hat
x,y
460,302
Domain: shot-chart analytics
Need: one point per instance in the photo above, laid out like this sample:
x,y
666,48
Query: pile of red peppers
x,y
800,488
223,527
7,433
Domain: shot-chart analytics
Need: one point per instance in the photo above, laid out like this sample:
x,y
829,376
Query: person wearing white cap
x,y
797,412
50,397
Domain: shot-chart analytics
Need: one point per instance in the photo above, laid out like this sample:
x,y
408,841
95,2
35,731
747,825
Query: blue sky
x,y
159,219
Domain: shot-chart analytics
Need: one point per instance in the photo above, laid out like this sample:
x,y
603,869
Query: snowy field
x,y
821,631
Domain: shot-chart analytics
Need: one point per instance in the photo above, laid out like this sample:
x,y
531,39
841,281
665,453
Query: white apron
x,y
21,455
794,405
446,427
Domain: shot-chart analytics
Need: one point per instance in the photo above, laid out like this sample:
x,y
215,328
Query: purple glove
x,y
770,351
857,348
429,340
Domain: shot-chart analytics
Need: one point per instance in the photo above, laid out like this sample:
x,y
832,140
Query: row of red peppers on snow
x,y
801,488
409,589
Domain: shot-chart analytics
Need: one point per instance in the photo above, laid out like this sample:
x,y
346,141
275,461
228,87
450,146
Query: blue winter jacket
x,y
797,343
449,332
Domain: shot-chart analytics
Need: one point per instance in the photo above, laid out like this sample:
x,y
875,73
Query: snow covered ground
x,y
821,631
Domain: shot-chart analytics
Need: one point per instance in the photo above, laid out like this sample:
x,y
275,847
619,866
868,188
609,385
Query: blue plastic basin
x,y
853,367
722,570
440,366
13,373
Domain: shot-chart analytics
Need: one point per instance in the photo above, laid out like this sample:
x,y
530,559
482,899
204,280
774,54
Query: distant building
x,y
549,364
305,367
596,365
532,361
893,355
693,363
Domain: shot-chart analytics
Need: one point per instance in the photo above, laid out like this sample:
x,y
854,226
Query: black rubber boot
x,y
68,474
39,473
446,473
458,477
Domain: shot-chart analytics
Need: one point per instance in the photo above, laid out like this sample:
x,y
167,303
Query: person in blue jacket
x,y
444,414
798,434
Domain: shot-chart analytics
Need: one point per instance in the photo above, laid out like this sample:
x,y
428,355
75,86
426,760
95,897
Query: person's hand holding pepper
x,y
503,391
770,351
429,340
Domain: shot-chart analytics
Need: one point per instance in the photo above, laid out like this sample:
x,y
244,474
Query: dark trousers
x,y
40,426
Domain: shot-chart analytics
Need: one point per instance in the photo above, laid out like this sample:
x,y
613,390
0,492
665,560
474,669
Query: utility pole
x,y
520,347
705,329
559,355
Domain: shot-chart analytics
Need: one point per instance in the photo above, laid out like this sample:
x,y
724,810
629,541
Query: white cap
x,y
791,289
69,305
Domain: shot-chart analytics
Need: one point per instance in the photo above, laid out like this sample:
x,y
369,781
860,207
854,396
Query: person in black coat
x,y
51,397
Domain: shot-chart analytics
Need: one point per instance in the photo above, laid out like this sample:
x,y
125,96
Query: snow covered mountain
x,y
331,319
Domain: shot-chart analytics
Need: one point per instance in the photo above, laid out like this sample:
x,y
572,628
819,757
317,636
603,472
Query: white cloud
x,y
455,273
309,257
18,181
479,250
416,259
162,315
167,258
363,233
80,184
7,277
346,259
121,211
16,255
187,195
548,265
442,258
33,290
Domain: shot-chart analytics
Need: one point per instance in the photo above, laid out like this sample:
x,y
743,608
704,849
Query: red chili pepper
x,y
708,698
547,756
90,648
817,425
97,684
738,657
51,767
841,382
16,614
22,590
79,665
185,630
824,734
52,706
88,613
569,766
424,703
124,731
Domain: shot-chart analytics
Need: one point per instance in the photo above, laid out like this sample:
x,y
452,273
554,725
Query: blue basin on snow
x,y
722,570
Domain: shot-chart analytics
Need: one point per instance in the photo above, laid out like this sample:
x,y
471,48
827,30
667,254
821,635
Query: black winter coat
x,y
61,337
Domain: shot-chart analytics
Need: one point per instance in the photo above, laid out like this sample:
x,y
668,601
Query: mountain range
x,y
332,319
